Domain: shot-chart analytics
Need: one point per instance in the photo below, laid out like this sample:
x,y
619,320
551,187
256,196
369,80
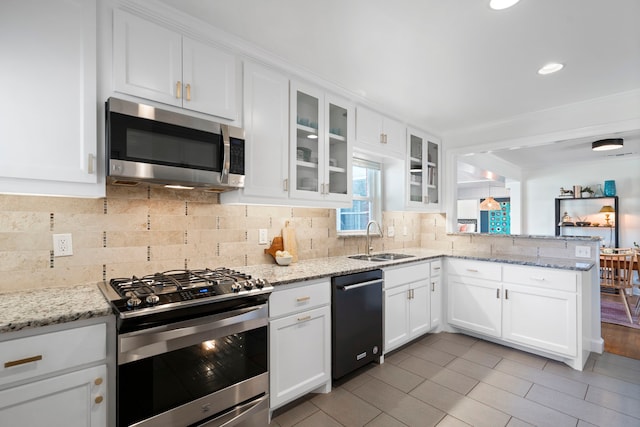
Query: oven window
x,y
157,384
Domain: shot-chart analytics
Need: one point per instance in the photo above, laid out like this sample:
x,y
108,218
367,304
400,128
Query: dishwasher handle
x,y
359,285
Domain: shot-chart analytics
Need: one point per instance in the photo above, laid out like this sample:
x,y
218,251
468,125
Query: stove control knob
x,y
152,299
134,301
259,283
248,284
236,287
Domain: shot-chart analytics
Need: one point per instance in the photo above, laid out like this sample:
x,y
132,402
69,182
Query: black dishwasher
x,y
356,321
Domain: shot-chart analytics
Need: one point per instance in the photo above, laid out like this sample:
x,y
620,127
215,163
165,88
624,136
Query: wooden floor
x,y
621,340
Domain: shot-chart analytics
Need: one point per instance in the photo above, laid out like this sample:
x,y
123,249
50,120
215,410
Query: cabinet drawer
x,y
477,269
541,277
436,267
304,297
394,276
30,357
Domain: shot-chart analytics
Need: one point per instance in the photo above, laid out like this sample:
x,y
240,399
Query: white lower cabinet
x,y
408,303
55,379
530,306
299,341
435,299
71,400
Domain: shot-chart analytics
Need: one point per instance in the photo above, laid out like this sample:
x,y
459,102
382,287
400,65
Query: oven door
x,y
207,371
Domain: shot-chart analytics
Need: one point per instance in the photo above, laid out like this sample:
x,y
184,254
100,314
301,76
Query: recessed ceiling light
x,y
551,67
501,4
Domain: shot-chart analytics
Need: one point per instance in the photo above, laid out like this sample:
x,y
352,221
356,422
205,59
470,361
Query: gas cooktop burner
x,y
178,288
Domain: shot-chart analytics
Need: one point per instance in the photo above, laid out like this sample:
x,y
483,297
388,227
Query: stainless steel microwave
x,y
150,145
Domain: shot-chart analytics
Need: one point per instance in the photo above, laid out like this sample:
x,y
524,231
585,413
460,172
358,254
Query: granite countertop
x,y
335,266
25,309
41,307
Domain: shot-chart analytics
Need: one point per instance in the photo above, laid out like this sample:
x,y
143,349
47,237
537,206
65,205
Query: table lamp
x,y
607,210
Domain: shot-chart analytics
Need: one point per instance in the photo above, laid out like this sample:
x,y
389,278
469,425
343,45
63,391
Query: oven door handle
x,y
239,414
139,345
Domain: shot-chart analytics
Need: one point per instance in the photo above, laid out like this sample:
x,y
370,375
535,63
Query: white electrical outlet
x,y
62,245
391,231
405,231
263,239
583,252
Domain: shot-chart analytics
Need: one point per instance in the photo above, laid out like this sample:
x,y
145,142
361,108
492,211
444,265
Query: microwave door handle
x,y
226,154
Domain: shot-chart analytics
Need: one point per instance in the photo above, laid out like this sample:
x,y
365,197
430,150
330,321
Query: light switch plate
x,y
583,252
391,231
263,239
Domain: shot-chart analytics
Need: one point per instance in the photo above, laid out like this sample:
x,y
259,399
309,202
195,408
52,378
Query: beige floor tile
x,y
396,377
582,423
432,355
384,420
596,379
449,346
403,407
492,377
556,382
297,412
482,358
612,369
627,404
512,354
458,338
396,357
450,421
515,422
461,407
521,408
421,367
454,380
580,408
351,383
345,407
319,419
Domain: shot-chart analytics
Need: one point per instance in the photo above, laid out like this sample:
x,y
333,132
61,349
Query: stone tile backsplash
x,y
148,229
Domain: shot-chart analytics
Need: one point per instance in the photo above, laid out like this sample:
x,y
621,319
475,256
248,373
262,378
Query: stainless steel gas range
x,y
192,348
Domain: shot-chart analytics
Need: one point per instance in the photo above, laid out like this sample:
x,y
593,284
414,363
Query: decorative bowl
x,y
284,260
583,223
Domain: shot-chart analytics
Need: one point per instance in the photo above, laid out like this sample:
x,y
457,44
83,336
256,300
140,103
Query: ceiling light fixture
x,y
607,144
501,4
550,68
490,204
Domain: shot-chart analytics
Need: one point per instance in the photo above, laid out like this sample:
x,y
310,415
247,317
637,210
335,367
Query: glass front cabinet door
x,y
423,166
321,137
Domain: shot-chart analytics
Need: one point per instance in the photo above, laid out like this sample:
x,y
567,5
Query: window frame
x,y
374,191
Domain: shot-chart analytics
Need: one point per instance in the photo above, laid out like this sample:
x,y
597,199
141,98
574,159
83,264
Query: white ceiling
x,y
447,65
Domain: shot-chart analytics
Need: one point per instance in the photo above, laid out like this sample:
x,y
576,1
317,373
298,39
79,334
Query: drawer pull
x,y
303,319
302,299
97,381
433,286
538,279
472,270
178,89
436,268
506,294
99,399
22,361
498,293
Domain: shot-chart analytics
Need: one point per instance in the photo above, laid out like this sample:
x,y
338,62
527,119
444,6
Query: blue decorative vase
x,y
609,188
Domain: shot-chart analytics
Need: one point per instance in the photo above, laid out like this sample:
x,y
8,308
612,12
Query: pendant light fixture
x,y
607,144
490,204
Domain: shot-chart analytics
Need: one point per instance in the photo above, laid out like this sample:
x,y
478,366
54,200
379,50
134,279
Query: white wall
x,y
541,187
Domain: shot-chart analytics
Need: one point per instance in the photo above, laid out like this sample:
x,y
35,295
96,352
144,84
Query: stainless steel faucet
x,y
369,248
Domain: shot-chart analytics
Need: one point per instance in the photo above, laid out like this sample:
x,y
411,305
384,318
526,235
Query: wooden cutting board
x,y
289,241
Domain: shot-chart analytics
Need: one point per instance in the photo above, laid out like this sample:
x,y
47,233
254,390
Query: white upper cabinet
x,y
157,63
320,146
48,120
379,134
266,127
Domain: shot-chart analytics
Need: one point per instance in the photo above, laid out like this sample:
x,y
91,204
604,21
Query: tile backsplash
x,y
143,230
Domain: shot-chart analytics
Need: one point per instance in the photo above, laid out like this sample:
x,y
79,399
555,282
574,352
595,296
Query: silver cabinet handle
x,y
433,286
302,299
286,184
506,294
498,293
304,319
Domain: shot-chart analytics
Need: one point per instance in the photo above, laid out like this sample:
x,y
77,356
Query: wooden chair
x,y
616,272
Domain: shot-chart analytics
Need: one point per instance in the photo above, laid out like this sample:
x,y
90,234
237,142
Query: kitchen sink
x,y
380,257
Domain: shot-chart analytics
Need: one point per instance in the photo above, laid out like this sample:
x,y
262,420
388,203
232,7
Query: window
x,y
366,199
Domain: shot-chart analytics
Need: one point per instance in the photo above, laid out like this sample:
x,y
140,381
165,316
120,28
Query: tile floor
x,y
454,380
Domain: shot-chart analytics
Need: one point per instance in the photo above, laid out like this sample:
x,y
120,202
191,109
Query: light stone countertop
x,y
42,307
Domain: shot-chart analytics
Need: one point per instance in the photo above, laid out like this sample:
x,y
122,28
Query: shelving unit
x,y
585,207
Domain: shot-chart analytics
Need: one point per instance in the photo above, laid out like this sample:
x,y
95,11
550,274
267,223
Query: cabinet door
x,y
436,301
423,172
307,142
147,59
475,304
419,308
395,136
300,354
339,135
542,318
48,117
396,317
266,125
77,399
368,127
209,80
